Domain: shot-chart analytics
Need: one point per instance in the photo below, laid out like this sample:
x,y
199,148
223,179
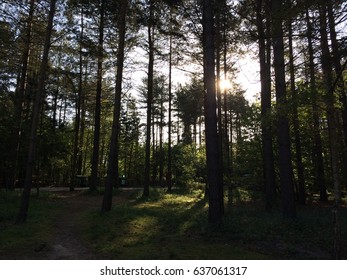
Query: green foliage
x,y
8,58
189,102
188,164
6,136
247,150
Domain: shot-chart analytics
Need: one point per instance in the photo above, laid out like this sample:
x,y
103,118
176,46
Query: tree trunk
x,y
219,99
266,124
55,107
21,91
154,151
228,158
149,99
341,89
296,125
169,165
215,217
319,171
76,147
81,147
231,135
96,143
112,168
23,212
161,154
285,165
332,124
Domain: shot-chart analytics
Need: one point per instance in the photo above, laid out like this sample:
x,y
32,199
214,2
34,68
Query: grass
x,y
174,226
164,226
19,241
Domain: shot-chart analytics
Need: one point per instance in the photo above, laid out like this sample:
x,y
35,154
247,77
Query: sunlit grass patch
x,y
166,226
174,226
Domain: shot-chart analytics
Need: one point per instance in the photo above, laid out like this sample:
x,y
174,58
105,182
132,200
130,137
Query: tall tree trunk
x,y
295,117
216,202
55,107
149,98
23,212
285,165
339,82
21,91
266,126
81,147
76,147
154,151
332,124
231,134
219,98
96,143
228,157
169,164
112,168
161,154
319,171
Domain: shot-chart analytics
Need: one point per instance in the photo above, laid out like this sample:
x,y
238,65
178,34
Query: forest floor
x,y
64,238
165,226
67,241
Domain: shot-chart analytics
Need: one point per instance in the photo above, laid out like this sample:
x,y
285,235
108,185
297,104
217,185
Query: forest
x,y
125,132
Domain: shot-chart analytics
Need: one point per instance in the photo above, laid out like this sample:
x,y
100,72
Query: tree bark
x,y
96,143
219,97
319,171
149,99
161,154
266,123
338,68
112,168
228,157
332,124
76,147
339,82
169,165
23,212
285,165
21,91
296,124
216,203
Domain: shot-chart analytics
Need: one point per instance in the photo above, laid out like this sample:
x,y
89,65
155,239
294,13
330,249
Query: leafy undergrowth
x,y
174,226
25,241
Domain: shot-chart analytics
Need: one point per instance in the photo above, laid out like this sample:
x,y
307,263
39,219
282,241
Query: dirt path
x,y
66,243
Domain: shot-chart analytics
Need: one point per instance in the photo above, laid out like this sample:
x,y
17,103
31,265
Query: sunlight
x,y
224,84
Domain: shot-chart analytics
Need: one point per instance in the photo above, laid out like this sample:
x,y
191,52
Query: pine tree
x,y
112,167
283,137
23,212
215,185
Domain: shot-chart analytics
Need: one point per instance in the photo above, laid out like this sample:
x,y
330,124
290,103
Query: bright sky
x,y
248,77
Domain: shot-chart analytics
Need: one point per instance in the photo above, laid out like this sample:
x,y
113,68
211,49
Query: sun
x,y
224,85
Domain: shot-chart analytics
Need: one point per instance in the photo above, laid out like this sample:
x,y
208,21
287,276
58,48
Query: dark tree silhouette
x,y
112,167
215,217
23,211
